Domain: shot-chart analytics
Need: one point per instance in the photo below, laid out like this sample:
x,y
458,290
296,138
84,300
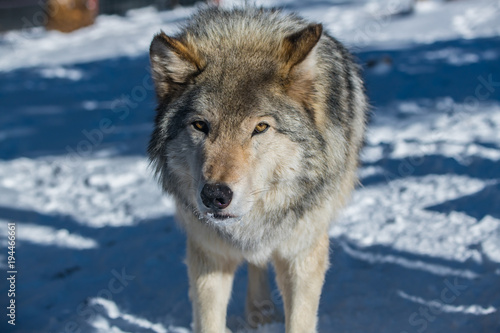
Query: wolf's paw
x,y
261,313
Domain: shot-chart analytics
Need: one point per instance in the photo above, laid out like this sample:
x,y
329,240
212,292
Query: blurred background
x,y
97,247
69,15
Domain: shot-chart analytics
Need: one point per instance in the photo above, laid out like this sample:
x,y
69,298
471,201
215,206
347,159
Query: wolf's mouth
x,y
220,216
222,220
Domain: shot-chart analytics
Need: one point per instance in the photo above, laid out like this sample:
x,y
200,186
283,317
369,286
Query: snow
x,y
109,37
98,250
112,311
48,236
470,309
94,192
367,24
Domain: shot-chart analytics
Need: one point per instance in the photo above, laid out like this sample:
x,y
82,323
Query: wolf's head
x,y
238,126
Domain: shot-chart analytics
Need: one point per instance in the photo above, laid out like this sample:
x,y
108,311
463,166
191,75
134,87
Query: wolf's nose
x,y
216,196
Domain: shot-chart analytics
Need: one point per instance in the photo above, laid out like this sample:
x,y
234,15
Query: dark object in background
x,y
120,7
70,15
23,14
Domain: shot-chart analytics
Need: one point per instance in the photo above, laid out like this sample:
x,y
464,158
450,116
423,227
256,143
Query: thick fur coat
x,y
260,120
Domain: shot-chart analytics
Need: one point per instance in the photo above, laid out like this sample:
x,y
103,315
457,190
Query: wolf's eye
x,y
260,128
200,126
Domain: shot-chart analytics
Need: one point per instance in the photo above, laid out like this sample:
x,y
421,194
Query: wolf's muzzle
x,y
216,196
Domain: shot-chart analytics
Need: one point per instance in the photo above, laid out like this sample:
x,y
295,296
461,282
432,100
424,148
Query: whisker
x,y
187,174
260,191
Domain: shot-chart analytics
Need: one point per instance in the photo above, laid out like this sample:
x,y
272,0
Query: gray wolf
x,y
260,119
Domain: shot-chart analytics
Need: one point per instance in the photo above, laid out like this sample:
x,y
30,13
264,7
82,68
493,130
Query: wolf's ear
x,y
173,63
298,45
300,68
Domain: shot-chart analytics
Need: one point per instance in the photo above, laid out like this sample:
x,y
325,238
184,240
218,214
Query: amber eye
x,y
200,126
260,128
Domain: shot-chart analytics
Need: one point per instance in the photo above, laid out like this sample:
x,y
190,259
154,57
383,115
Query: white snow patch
x,y
44,235
394,214
365,172
96,191
491,245
453,56
102,326
113,312
61,73
474,309
111,36
461,135
16,132
375,258
473,19
372,153
48,236
368,23
91,105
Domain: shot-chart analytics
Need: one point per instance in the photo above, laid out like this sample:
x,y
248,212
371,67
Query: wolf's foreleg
x,y
210,279
300,279
260,308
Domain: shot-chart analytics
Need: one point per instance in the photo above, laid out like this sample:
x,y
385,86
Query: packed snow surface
x,y
98,250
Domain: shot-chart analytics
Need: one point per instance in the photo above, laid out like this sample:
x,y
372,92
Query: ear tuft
x,y
173,63
297,46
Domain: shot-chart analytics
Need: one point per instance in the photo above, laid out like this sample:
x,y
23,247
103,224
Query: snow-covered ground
x,y
417,250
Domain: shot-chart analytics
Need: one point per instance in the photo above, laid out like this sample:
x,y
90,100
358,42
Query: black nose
x,y
216,196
